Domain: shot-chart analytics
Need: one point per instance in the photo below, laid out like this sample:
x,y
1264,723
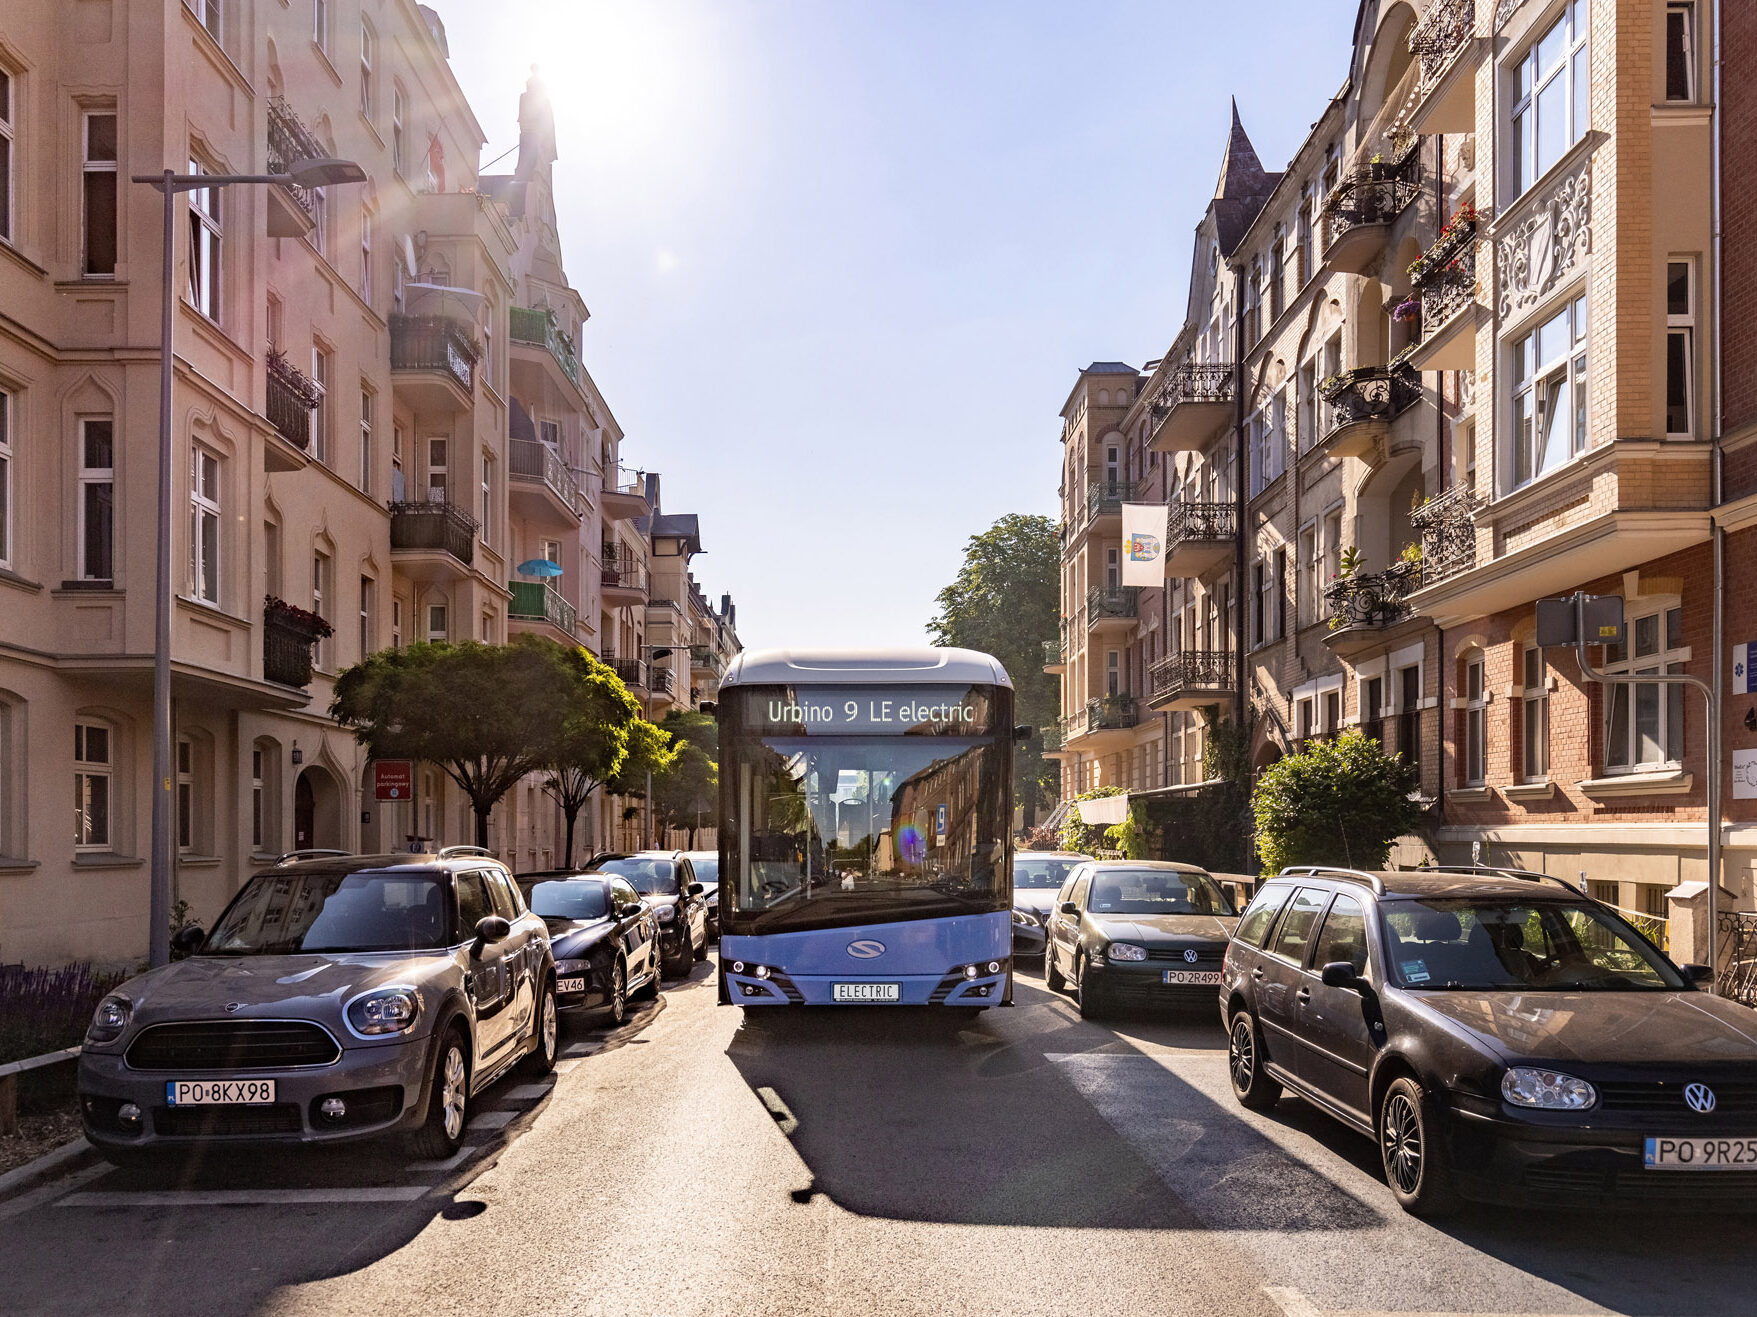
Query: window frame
x,y
8,482
206,521
184,804
1474,759
368,587
87,770
398,130
207,247
366,253
8,149
1537,384
1691,16
1530,82
1671,715
368,80
322,359
1534,715
91,170
92,478
1681,328
368,402
322,586
320,25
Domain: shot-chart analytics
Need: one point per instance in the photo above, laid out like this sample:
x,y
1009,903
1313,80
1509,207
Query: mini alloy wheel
x,y
454,1097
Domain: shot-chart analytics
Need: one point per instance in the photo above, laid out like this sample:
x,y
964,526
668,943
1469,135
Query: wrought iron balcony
x,y
1365,604
1445,97
289,141
537,326
433,527
289,401
1360,210
1369,393
664,681
705,658
536,601
1104,603
631,672
533,461
1105,498
1111,713
1198,537
621,571
287,637
1193,677
1053,738
1447,523
1195,400
1053,653
434,343
1444,280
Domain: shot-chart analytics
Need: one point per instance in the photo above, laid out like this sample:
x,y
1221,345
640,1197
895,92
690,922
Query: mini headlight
x,y
1546,1090
109,1020
1126,951
389,1010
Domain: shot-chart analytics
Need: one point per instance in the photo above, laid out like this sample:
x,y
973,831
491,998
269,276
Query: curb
x,y
69,1157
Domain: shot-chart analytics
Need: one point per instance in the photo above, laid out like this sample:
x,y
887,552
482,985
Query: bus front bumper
x,y
990,985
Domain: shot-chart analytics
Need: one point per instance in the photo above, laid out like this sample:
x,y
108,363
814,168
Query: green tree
x,y
688,790
650,750
592,742
485,714
1335,802
1006,601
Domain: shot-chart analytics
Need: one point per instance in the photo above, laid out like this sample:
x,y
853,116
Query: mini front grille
x,y
1206,957
1731,1097
211,1122
232,1045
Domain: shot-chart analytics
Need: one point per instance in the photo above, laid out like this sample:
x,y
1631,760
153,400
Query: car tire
x,y
546,1035
448,1102
1412,1147
1052,977
649,991
617,1009
1092,1003
685,961
1251,1084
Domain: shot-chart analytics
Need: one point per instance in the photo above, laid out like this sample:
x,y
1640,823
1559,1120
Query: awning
x,y
1106,809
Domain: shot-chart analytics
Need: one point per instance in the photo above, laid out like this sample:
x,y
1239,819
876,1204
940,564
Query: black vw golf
x,y
1501,1036
605,940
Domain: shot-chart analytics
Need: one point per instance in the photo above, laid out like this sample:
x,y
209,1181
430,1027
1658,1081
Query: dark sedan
x,y
707,872
1138,933
605,940
1037,877
1499,1035
666,882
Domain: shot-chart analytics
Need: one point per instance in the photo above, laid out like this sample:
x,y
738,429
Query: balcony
x,y
1054,660
292,211
539,485
1052,741
1444,44
1192,679
1370,608
706,660
1195,402
664,682
1103,725
288,633
536,327
626,502
433,362
432,541
1104,502
1360,406
288,402
631,672
1199,537
622,579
1110,607
537,601
1445,284
1358,215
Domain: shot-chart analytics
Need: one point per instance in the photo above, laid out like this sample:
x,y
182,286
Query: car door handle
x,y
1256,974
1304,994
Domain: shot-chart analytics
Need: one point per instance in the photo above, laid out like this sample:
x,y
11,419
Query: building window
x,y
1260,588
366,254
185,794
1332,712
1306,417
1279,586
366,401
1680,52
100,193
1535,716
6,480
320,373
398,483
396,623
257,802
366,645
437,482
1305,718
1277,273
398,149
1549,394
1372,707
488,628
204,247
436,622
487,499
8,132
92,769
1332,550
1310,589
207,13
1409,715
320,592
204,526
1680,350
1549,108
1253,300
97,500
1326,411
368,90
320,23
1644,721
1476,722
1308,209
1113,681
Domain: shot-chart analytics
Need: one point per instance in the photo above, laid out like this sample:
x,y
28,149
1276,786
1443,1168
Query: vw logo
x,y
1699,1098
866,949
1190,956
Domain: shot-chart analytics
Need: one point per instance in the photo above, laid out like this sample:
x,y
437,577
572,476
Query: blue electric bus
x,y
865,847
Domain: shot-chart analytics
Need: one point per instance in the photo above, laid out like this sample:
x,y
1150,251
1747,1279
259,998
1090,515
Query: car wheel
x,y
618,1008
685,961
1092,1003
546,1035
1251,1084
649,991
1413,1149
1052,977
448,1103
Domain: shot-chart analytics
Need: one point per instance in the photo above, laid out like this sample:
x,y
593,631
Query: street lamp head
x,y
325,171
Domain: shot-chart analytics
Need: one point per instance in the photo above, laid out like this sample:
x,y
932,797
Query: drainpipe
x,y
1241,698
1716,532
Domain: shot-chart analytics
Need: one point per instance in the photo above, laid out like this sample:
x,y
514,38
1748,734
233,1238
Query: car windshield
x,y
281,914
1156,892
649,877
707,868
567,898
1032,872
1520,946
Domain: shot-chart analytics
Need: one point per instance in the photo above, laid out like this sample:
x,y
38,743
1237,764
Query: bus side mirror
x,y
1023,733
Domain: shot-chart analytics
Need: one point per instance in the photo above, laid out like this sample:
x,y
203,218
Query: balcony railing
x,y
1447,523
289,140
1105,497
1051,739
706,658
1438,36
1105,602
442,527
631,672
1370,393
1372,599
1206,381
290,399
1110,713
622,573
434,343
1446,275
536,325
1193,670
534,601
1375,193
1200,521
1052,653
287,638
664,681
534,460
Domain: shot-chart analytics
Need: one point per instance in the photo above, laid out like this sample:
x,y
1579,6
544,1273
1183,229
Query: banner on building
x,y
1744,668
1106,810
1144,543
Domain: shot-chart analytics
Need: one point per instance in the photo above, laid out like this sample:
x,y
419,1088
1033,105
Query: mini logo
x,y
1699,1098
866,949
234,1005
1190,956
1143,548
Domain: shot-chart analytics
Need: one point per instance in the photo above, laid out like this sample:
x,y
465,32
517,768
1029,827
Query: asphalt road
x,y
850,1163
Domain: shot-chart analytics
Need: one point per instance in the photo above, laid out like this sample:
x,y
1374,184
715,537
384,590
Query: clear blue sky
x,y
843,257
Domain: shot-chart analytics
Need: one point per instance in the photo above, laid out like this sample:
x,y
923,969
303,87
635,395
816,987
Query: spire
x,y
1241,172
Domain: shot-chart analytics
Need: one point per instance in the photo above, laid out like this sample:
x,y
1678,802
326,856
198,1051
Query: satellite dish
x,y
409,256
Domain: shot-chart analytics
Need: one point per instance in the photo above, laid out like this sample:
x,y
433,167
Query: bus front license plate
x,y
879,992
1192,976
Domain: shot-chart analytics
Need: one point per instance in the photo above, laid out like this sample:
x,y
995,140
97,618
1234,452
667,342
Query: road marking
x,y
37,1197
525,1092
245,1197
492,1120
1294,1304
457,1158
784,1118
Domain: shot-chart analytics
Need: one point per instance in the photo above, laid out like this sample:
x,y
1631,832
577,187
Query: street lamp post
x,y
320,172
653,653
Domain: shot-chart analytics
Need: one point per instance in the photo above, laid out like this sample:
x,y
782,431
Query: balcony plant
x,y
1442,253
290,377
290,617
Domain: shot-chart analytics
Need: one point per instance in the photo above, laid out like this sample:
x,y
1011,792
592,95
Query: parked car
x,y
1501,1037
605,940
707,872
666,882
1138,933
1037,877
336,998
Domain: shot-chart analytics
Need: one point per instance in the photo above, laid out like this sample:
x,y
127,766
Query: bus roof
x,y
923,666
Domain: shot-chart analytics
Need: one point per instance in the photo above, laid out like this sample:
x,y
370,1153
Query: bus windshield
x,y
852,829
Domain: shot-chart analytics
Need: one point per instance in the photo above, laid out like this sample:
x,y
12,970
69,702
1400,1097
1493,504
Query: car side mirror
x,y
1340,974
1698,973
629,909
490,929
696,889
188,939
1068,908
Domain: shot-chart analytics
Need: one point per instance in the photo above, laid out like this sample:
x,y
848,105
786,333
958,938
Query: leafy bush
x,y
45,1010
1086,837
1336,802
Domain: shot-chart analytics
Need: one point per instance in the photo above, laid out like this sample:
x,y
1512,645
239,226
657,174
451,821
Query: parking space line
x,y
492,1120
246,1197
526,1092
457,1158
38,1197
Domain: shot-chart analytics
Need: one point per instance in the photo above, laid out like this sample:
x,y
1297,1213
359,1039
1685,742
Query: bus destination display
x,y
869,710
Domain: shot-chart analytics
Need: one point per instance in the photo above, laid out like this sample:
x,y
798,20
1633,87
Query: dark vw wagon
x,y
335,998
